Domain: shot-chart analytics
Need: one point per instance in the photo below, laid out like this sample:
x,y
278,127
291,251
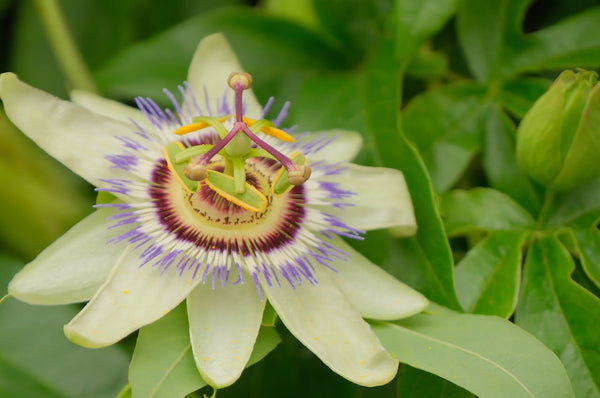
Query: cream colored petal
x,y
342,145
213,62
72,134
372,291
132,297
381,200
73,267
323,319
113,109
224,323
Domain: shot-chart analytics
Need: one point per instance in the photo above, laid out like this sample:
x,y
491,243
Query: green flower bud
x,y
558,140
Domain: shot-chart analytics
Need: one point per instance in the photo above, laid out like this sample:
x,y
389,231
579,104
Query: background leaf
x,y
562,45
37,360
579,208
500,163
588,246
271,49
486,355
428,262
448,141
353,24
417,20
488,277
482,209
519,94
486,30
562,314
416,383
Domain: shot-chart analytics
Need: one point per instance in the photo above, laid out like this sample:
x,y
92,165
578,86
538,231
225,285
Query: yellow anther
x,y
190,128
299,175
277,133
251,199
195,173
243,79
272,131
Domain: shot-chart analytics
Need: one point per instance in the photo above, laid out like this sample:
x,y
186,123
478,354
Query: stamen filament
x,y
192,151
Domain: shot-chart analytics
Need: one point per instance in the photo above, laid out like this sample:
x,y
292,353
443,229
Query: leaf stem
x,y
546,207
214,394
63,45
125,392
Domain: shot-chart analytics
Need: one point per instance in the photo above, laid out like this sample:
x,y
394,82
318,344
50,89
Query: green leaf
x,y
32,174
428,64
301,11
562,314
84,20
496,48
447,125
269,316
588,246
482,209
36,359
125,392
418,20
485,355
519,94
271,49
579,208
568,43
431,272
489,33
415,383
488,277
354,25
163,364
500,163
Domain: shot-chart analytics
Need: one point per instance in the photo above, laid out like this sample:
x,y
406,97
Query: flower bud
x,y
558,140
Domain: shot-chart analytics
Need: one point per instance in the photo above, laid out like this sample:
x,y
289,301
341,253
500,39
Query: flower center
x,y
207,219
237,148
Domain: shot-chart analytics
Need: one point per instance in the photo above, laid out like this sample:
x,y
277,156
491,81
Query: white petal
x,y
109,108
224,323
344,146
72,134
213,62
131,298
323,319
372,291
72,268
382,200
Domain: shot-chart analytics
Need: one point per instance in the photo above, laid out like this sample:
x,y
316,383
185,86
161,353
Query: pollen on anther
x,y
126,291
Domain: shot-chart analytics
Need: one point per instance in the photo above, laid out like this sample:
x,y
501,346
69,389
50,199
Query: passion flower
x,y
218,206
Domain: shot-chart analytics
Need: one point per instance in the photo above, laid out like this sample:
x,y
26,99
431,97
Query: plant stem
x,y
64,47
546,206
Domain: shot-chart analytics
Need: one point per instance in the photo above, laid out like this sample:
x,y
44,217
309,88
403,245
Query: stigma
x,y
222,166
